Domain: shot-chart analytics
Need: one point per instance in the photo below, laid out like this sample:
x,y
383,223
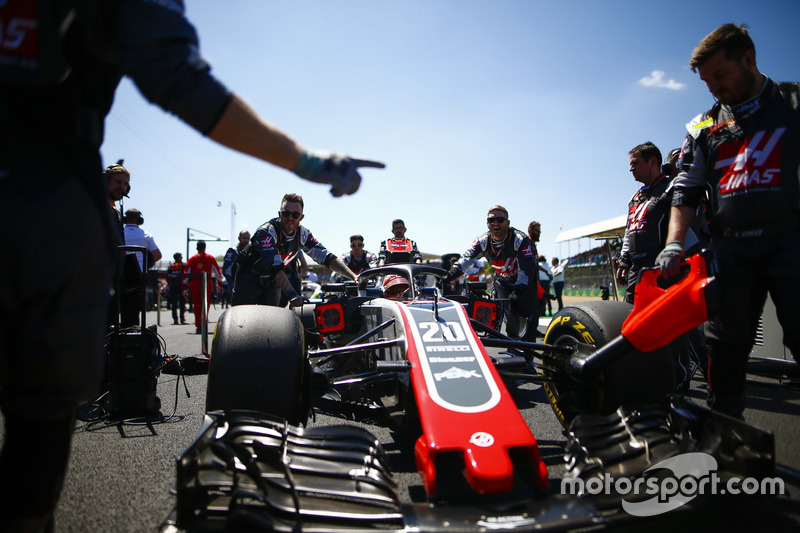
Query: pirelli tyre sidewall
x,y
258,362
637,379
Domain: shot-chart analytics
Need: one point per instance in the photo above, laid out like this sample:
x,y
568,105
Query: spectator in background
x,y
545,278
198,263
558,280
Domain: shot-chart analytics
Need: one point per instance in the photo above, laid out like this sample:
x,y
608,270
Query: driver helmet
x,y
395,286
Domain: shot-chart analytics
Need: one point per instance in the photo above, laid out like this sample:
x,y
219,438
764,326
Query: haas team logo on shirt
x,y
637,217
506,268
750,164
267,242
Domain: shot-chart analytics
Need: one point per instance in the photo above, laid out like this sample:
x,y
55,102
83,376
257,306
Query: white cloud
x,y
656,79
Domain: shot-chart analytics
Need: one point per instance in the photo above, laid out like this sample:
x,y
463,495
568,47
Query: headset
x,y
139,218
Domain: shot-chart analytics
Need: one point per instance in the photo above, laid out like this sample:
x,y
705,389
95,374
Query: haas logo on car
x,y
753,163
482,439
457,375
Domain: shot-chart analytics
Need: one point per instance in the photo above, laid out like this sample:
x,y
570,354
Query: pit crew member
x,y
398,249
359,259
57,85
745,151
509,251
648,217
646,233
260,277
229,263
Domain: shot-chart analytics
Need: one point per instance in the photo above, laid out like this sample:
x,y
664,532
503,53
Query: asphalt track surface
x,y
121,474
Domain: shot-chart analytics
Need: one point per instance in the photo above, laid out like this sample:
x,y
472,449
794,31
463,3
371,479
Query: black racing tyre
x,y
636,379
258,362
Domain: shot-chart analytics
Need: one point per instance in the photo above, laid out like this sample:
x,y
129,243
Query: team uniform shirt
x,y
136,236
270,250
512,259
747,157
359,265
395,251
647,224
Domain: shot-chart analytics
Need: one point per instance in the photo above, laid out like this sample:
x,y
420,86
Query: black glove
x,y
452,275
339,170
669,260
515,299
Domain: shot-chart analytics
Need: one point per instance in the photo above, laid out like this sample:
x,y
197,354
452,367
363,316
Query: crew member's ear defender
x,y
139,218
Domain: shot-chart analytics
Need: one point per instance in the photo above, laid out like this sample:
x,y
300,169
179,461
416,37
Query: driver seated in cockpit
x,y
395,286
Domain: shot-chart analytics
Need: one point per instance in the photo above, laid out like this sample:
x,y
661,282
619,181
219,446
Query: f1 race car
x,y
392,340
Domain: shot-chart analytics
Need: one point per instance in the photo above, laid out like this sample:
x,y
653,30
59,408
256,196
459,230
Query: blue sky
x,y
529,104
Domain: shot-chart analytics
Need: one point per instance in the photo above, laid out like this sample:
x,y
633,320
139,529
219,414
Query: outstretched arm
x,y
242,129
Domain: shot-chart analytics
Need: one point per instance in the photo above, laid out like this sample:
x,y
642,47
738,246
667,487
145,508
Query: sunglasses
x,y
357,245
492,220
293,214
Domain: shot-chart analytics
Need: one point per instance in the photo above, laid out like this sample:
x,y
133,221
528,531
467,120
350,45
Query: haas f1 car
x,y
392,340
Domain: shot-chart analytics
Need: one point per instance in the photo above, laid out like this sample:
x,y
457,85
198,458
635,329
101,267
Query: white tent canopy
x,y
613,227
